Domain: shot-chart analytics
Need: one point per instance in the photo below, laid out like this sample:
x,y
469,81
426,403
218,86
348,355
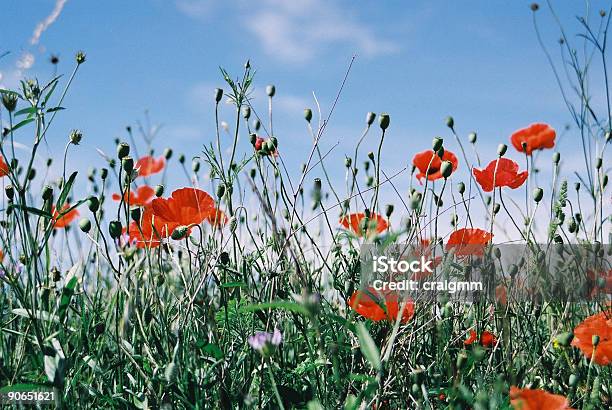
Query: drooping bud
x,y
598,163
437,144
461,188
501,149
538,193
115,229
218,94
348,162
371,156
270,90
370,117
446,169
534,7
472,137
135,214
123,150
168,153
384,121
450,122
256,124
103,173
307,114
577,186
85,225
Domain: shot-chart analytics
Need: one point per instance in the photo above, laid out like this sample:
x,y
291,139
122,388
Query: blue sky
x,y
419,61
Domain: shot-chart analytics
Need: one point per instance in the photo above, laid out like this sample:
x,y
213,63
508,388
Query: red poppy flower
x,y
144,195
380,305
600,325
537,399
217,218
501,295
468,241
424,249
148,165
471,338
63,220
4,169
187,206
487,339
259,141
152,230
536,136
423,159
593,280
357,223
507,175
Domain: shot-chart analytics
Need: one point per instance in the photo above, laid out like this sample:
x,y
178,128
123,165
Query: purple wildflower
x,y
265,342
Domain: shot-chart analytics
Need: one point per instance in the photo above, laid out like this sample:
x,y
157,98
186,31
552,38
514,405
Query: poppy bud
x,y
371,156
76,136
450,122
274,142
47,192
85,225
218,94
80,57
513,270
127,163
253,173
348,162
93,203
496,208
538,193
389,210
446,169
534,7
595,340
49,162
103,173
370,181
10,192
608,136
246,112
123,150
135,214
270,91
556,158
182,158
577,186
573,380
268,146
195,166
168,153
602,13
179,232
224,258
501,149
220,190
9,100
572,226
114,229
461,188
472,137
366,165
384,121
317,184
256,124
598,162
307,114
437,144
32,174
370,117
604,181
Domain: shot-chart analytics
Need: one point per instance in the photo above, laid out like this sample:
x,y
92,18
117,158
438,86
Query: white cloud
x,y
48,21
297,31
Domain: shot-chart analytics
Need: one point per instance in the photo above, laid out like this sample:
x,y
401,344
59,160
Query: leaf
x,y
290,306
368,347
23,387
38,314
66,190
234,285
53,109
29,110
21,124
68,291
29,209
211,349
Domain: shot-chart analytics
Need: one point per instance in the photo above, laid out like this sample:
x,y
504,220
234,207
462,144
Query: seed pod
x,y
159,190
274,142
220,190
437,144
472,137
270,90
371,156
168,153
496,208
307,114
179,232
384,121
103,173
115,229
123,150
556,158
218,94
93,204
461,188
501,149
450,122
348,162
446,169
9,100
224,258
370,117
195,166
182,158
76,136
85,225
598,163
595,340
256,124
47,192
253,173
534,7
10,192
127,163
538,193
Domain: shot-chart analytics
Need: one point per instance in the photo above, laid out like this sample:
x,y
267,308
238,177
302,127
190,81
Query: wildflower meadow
x,y
250,284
